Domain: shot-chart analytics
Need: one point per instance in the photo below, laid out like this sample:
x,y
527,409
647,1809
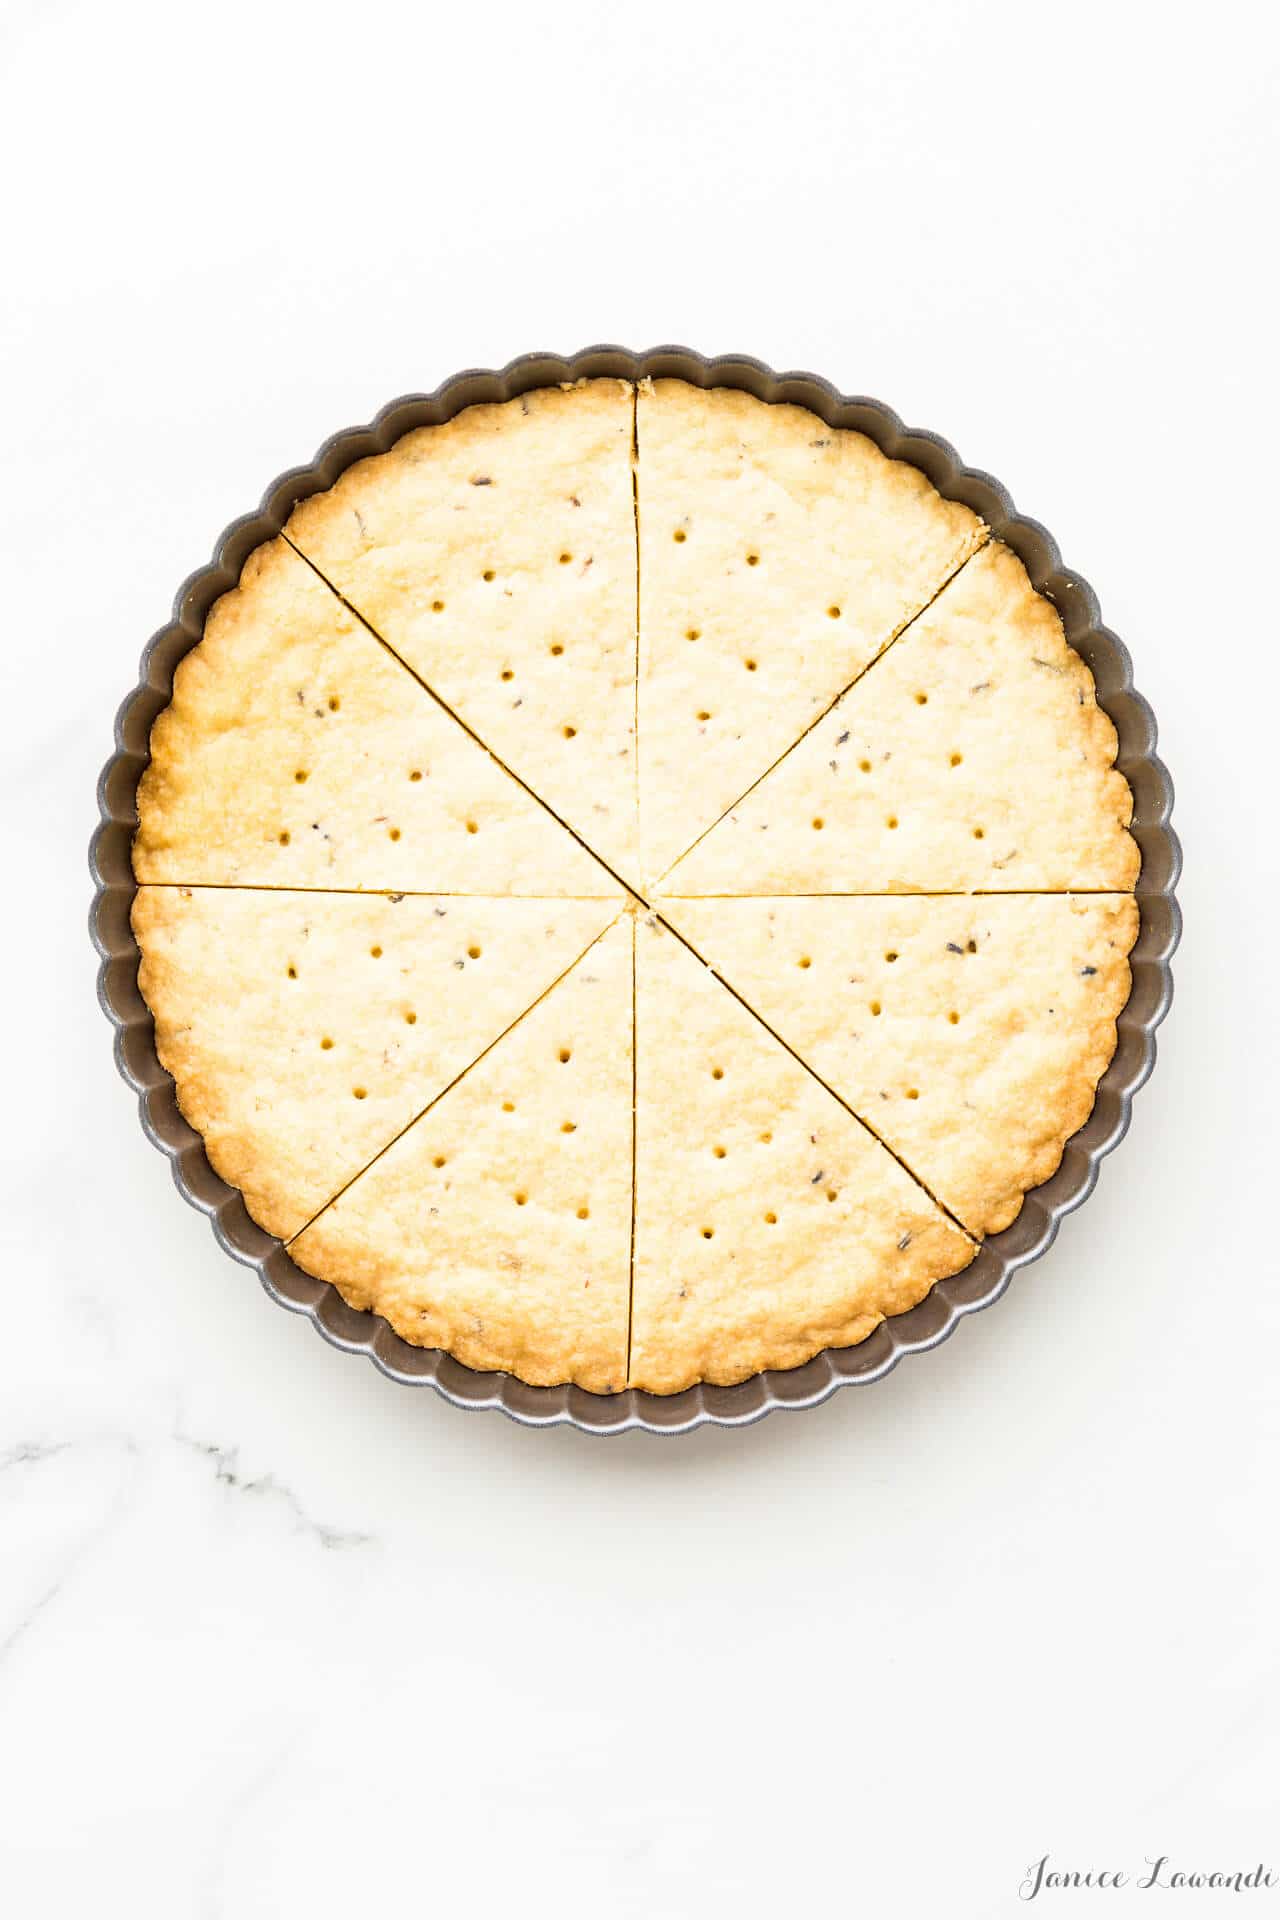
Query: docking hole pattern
x,y
866,1006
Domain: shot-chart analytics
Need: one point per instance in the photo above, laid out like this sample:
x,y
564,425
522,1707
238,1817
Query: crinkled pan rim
x,y
927,1324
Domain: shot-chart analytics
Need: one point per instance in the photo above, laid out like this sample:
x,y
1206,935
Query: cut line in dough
x,y
972,752
770,1223
303,1030
658,885
494,554
496,1225
969,1034
778,556
976,596
297,752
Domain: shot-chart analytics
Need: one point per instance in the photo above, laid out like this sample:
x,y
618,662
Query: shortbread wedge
x,y
499,1225
777,557
970,1033
496,554
972,756
298,753
304,1030
769,1222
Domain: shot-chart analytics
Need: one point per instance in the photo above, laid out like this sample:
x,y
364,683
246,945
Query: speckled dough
x,y
769,1223
496,554
466,1074
972,755
499,1225
971,1033
777,557
247,989
297,753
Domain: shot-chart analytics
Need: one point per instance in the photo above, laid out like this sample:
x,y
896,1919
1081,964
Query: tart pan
x,y
1000,1257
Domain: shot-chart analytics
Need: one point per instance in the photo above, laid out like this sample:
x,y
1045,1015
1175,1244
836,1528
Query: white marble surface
x,y
277,1637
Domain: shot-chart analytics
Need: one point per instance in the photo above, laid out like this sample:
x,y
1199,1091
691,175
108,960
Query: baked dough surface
x,y
304,1030
778,557
974,757
634,1056
972,1033
499,1225
496,554
297,753
769,1222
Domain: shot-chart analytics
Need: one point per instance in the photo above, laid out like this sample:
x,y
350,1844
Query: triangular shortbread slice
x,y
298,753
496,554
971,1033
973,756
777,557
304,1030
499,1226
769,1222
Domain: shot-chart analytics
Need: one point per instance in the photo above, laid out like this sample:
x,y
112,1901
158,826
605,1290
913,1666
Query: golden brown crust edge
x,y
786,421
1013,593
513,1352
230,1156
268,568
325,524
1079,1098
770,1350
791,1351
